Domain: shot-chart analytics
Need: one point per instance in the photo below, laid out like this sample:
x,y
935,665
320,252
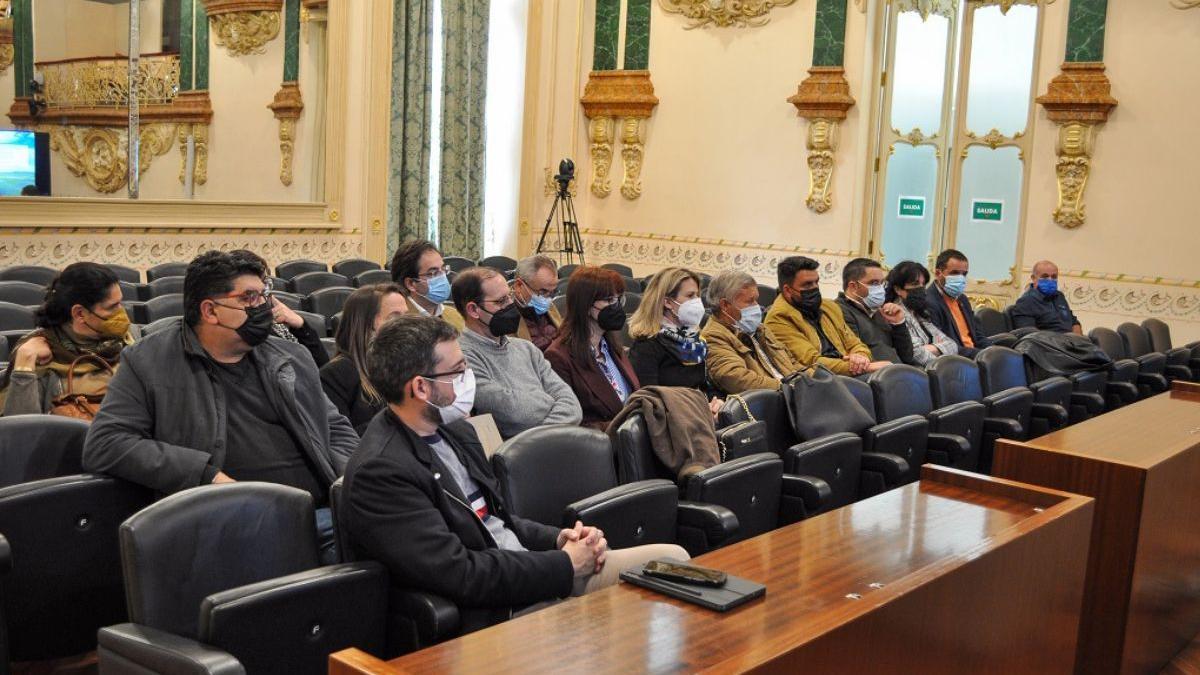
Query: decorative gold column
x,y
7,51
628,96
287,107
199,113
823,98
1078,100
244,26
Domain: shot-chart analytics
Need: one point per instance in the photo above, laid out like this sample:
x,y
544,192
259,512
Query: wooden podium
x,y
957,573
1142,465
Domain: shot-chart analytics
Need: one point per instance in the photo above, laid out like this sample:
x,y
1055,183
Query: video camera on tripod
x,y
562,217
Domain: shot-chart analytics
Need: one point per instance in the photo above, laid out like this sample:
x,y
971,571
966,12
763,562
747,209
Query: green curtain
x,y
408,182
460,205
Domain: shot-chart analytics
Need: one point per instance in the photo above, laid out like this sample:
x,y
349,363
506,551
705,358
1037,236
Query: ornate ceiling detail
x,y
244,26
724,13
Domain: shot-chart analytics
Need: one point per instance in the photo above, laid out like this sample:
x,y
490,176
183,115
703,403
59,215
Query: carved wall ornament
x,y
915,137
244,26
993,139
627,96
1185,4
1078,100
287,107
7,50
199,133
98,155
823,98
724,13
925,8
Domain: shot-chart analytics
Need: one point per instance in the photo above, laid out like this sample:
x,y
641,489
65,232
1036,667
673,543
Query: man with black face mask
x,y
513,381
214,399
812,329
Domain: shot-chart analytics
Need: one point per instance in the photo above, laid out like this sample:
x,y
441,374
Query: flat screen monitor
x,y
24,163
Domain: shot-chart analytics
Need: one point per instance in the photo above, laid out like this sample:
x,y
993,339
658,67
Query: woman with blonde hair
x,y
667,349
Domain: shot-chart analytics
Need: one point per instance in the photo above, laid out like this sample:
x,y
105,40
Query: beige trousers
x,y
617,561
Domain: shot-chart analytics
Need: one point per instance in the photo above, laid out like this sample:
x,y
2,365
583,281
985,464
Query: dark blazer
x,y
656,362
939,313
339,379
887,342
403,508
596,396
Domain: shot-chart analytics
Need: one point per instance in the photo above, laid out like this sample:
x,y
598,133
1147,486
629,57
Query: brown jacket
x,y
596,396
680,426
733,364
553,315
449,314
802,341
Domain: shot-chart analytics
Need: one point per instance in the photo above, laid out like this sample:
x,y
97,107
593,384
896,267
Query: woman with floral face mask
x,y
64,366
667,349
742,353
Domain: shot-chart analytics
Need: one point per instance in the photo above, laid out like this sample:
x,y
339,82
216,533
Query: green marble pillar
x,y
829,35
291,41
1085,31
200,37
22,14
186,58
608,29
637,35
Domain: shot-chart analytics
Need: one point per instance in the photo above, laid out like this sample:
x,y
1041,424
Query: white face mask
x,y
876,295
464,399
690,313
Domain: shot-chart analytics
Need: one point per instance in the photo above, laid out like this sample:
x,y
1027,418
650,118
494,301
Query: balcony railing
x,y
103,82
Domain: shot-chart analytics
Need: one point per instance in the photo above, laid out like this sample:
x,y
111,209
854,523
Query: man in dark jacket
x,y
948,305
878,324
1043,306
215,399
420,496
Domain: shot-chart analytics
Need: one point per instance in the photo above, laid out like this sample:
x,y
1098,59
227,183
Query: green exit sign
x,y
911,207
987,210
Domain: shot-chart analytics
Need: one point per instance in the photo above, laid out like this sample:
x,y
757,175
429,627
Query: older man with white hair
x,y
742,352
533,288
1043,306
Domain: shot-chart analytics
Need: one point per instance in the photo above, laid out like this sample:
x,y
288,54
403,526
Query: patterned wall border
x,y
146,250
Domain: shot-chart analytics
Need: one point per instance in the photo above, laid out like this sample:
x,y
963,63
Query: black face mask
x,y
917,302
611,318
257,327
505,321
809,303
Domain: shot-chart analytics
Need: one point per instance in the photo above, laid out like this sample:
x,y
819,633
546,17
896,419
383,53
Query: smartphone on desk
x,y
684,574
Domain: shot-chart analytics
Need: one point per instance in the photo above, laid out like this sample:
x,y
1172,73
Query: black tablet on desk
x,y
736,591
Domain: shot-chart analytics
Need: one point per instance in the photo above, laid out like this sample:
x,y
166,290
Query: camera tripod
x,y
562,217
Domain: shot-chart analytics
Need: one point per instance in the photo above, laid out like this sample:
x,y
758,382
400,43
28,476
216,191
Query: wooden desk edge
x,y
1185,386
1036,495
354,661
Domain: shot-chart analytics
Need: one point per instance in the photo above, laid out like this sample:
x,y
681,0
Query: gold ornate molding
x,y
1078,100
946,8
287,107
1185,4
823,98
244,26
7,50
628,96
724,13
98,154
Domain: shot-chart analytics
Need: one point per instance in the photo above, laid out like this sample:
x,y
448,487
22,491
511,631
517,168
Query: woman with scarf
x,y
667,349
906,286
64,366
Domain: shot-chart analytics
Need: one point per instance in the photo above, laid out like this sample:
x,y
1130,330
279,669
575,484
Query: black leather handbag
x,y
820,405
742,439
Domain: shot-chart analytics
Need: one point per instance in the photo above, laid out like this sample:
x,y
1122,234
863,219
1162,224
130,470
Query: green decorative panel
x,y
829,36
291,41
22,14
185,45
637,35
1085,31
608,29
200,35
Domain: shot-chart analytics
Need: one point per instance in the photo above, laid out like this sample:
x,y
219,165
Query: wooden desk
x,y
958,573
1142,464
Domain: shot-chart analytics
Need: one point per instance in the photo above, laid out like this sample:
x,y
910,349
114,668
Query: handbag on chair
x,y
742,439
819,405
77,405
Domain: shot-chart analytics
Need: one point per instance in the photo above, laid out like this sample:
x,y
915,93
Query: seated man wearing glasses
x,y
513,381
534,288
420,496
421,271
215,399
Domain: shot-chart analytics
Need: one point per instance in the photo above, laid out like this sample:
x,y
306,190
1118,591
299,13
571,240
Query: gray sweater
x,y
515,384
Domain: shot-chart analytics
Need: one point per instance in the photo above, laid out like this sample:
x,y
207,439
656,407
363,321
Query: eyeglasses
x,y
433,274
456,377
618,300
882,283
251,298
500,302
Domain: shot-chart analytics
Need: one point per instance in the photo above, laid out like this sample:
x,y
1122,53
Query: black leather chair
x,y
1088,395
170,269
560,303
317,322
633,285
753,487
125,273
34,274
1160,336
136,309
1002,368
905,437
132,291
955,431
1149,377
559,474
293,268
292,300
632,302
566,271
1139,345
353,267
163,306
499,262
954,379
310,282
992,322
33,447
22,293
60,573
327,301
623,270
766,295
330,346
164,286
165,322
416,619
16,317
225,579
334,322
371,277
458,263
761,405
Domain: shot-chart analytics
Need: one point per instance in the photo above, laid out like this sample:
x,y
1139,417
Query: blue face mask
x,y
540,304
955,285
439,289
1047,287
875,296
751,319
